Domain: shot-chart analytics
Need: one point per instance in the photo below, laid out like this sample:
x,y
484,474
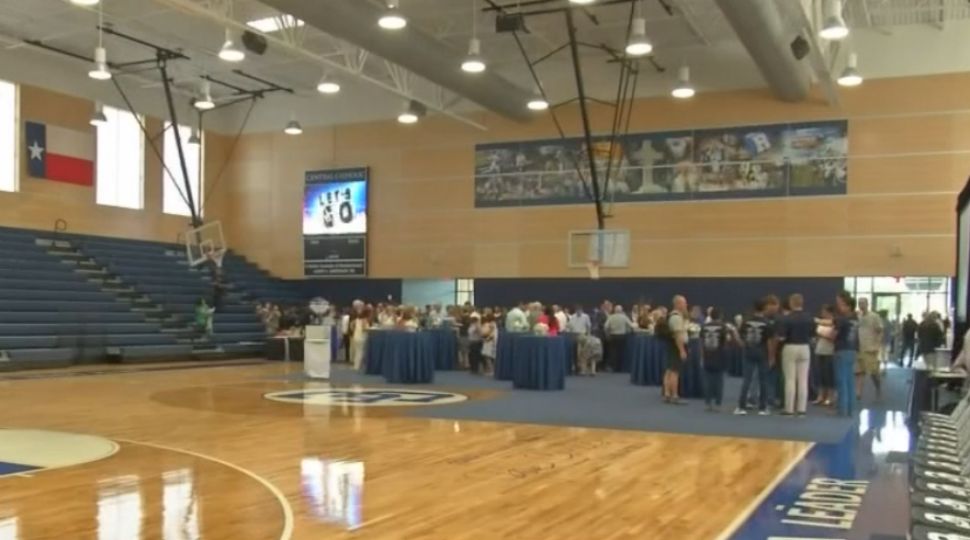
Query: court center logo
x,y
366,397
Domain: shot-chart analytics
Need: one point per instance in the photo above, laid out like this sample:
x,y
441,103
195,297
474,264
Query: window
x,y
121,160
172,185
464,291
8,136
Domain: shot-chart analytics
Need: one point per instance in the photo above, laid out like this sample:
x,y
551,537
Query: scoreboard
x,y
335,223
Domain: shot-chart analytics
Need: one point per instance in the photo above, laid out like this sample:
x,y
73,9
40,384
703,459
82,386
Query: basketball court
x,y
203,201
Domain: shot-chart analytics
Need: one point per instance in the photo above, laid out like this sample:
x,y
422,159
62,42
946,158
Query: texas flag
x,y
60,154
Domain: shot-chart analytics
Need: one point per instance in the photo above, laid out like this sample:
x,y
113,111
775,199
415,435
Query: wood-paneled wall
x,y
39,203
909,155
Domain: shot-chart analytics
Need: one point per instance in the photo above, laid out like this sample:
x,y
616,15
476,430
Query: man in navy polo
x,y
756,333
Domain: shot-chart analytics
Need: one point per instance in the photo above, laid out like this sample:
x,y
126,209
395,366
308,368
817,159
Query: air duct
x,y
765,32
355,21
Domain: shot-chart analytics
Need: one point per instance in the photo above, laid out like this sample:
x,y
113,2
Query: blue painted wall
x,y
344,291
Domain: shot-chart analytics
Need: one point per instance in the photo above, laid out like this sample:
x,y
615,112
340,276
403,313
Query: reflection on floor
x,y
204,455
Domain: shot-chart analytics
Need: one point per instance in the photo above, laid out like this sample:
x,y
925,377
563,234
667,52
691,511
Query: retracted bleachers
x,y
940,476
51,314
259,283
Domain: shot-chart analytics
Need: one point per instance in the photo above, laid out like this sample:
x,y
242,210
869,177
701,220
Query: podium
x,y
316,351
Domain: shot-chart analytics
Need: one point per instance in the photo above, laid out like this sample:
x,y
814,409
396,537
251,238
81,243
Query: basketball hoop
x,y
216,256
594,269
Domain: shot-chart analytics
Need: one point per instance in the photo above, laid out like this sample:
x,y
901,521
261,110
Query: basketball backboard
x,y
205,242
609,248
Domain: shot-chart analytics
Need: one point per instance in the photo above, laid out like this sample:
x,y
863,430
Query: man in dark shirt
x,y
910,327
756,332
795,332
714,337
845,334
930,336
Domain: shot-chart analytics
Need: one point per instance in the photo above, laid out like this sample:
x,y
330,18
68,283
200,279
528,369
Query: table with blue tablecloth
x,y
402,357
505,353
444,347
647,362
539,362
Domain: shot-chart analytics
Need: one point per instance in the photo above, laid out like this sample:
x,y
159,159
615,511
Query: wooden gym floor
x,y
202,454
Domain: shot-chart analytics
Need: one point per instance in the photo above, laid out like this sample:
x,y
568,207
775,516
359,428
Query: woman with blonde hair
x,y
358,339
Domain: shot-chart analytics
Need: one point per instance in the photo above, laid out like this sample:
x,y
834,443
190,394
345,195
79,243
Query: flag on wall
x,y
59,154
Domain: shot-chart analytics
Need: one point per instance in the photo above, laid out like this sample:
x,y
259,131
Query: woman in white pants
x,y
796,331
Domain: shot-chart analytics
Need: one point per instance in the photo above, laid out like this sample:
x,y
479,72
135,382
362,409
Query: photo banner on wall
x,y
780,160
335,223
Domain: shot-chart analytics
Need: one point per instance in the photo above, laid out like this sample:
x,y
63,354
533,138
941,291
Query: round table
x,y
647,356
401,357
539,362
444,347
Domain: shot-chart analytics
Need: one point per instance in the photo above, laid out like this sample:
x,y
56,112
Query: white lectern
x,y
316,351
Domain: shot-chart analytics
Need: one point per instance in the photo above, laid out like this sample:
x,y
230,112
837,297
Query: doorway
x,y
891,302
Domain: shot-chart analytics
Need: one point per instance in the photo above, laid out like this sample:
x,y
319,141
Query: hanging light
x,y
229,52
412,113
639,45
99,71
328,85
85,3
194,138
538,103
392,19
204,101
293,127
834,27
683,90
850,75
582,2
97,117
473,62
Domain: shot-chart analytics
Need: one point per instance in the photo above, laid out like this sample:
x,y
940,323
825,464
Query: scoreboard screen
x,y
335,223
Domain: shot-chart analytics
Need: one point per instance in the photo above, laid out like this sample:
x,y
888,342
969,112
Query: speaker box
x,y
800,47
254,43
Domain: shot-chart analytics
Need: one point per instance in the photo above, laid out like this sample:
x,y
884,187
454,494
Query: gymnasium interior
x,y
484,269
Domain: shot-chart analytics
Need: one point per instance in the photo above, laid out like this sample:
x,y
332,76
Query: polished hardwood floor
x,y
203,455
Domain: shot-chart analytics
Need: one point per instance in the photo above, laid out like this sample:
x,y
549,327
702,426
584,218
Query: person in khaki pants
x,y
870,343
795,332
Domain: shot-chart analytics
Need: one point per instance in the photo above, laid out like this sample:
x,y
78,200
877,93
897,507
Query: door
x,y
889,302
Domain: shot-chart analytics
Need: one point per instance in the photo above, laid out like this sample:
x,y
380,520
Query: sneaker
x,y
764,412
740,412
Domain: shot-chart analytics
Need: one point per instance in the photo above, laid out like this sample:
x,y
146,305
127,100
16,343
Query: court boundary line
x,y
739,520
29,374
115,447
284,503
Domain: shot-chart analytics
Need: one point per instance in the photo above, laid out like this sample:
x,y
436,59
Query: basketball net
x,y
594,269
216,256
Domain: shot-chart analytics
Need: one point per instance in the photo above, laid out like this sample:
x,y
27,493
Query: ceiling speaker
x,y
254,43
800,47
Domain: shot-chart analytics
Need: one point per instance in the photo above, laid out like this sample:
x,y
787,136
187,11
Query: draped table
x,y
539,362
401,357
506,354
444,347
647,361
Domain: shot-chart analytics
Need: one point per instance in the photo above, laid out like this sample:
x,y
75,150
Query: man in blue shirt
x,y
756,333
846,336
795,332
714,337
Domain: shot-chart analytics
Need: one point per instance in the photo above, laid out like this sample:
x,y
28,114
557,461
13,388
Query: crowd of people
x,y
842,345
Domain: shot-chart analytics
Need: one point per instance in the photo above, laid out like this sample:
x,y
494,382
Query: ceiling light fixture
x,y
582,2
474,63
97,117
293,127
850,75
194,138
392,18
85,3
229,51
99,71
204,101
639,45
834,27
683,90
328,85
412,113
538,103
